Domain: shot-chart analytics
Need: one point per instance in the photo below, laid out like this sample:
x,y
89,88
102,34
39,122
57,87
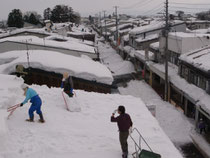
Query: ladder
x,y
139,152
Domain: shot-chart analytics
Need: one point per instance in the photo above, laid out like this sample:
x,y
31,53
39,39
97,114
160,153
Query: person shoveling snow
x,y
36,101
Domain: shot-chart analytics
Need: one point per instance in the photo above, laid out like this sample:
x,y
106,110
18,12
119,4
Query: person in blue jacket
x,y
36,101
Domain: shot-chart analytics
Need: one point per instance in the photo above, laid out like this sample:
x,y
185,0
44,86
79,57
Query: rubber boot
x,y
30,119
41,118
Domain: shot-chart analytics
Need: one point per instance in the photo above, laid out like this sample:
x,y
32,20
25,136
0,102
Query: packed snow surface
x,y
88,133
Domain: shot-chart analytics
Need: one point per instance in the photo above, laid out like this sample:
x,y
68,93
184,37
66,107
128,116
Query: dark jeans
x,y
123,141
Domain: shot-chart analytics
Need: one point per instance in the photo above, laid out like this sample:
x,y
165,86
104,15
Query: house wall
x,y
184,45
10,46
195,77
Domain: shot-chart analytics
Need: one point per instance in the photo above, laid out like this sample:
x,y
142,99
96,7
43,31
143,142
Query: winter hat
x,y
121,109
24,86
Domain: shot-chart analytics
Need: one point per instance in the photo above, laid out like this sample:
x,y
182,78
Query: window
x,y
202,82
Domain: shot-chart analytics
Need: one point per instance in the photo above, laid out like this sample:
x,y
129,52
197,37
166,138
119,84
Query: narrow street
x,y
177,126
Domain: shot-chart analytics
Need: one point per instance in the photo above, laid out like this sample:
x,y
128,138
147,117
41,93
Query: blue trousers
x,y
35,106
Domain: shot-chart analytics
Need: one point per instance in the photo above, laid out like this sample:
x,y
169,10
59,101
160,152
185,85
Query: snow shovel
x,y
67,108
12,109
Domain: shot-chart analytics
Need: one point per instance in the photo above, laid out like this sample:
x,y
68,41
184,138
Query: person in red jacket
x,y
124,123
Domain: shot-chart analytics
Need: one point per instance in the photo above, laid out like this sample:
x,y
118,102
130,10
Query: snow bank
x,y
3,129
114,61
59,63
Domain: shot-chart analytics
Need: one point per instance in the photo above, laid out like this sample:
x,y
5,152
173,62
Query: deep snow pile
x,y
56,62
114,61
88,133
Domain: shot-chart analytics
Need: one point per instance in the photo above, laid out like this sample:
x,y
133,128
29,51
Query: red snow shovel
x,y
67,108
12,109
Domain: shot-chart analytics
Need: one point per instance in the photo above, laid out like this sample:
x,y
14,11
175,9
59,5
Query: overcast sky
x,y
91,7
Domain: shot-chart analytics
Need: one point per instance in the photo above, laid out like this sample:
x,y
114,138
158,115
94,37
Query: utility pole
x,y
100,22
27,53
116,25
105,25
166,52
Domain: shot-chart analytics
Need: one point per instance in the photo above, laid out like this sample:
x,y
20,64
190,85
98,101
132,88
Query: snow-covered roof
x,y
125,31
154,25
199,21
69,39
126,37
79,33
18,31
71,45
121,26
138,53
199,58
186,35
130,50
114,61
155,45
88,131
147,38
56,62
202,31
141,55
81,29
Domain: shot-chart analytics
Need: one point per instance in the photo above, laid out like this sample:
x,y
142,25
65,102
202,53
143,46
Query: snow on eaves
x,y
57,62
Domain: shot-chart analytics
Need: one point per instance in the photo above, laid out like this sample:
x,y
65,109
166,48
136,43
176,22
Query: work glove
x,y
21,104
114,112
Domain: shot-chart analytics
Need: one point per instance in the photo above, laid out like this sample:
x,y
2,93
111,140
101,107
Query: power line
x,y
187,7
189,3
160,8
136,4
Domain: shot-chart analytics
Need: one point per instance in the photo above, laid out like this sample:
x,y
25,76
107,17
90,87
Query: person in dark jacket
x,y
124,123
36,103
202,126
67,84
